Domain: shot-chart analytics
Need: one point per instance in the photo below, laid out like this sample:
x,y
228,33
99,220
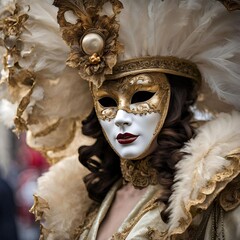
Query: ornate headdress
x,y
50,51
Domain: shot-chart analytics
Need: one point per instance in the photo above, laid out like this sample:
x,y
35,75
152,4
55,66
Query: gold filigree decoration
x,y
164,64
44,232
63,146
152,204
139,173
39,207
231,5
92,66
122,91
20,81
88,221
153,234
47,130
208,193
230,197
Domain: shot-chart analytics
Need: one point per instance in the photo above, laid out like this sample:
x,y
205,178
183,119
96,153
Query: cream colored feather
x,y
63,188
202,31
206,157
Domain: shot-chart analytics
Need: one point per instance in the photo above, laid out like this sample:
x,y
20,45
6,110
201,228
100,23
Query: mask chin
x,y
139,134
153,146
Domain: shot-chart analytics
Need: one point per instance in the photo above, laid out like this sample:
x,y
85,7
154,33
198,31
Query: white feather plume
x,y
66,196
205,158
47,50
202,31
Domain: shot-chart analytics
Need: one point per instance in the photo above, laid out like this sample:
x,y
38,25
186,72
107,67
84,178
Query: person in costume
x,y
118,86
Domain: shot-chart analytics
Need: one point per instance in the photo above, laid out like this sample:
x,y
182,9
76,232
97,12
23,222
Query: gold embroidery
x,y
47,130
39,208
152,204
19,121
171,65
88,221
208,193
40,205
153,234
139,173
20,81
44,232
230,197
65,144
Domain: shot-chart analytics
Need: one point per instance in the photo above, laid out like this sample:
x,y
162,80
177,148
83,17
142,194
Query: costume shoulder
x,y
61,200
211,169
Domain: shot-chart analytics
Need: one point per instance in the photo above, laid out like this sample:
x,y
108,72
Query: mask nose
x,y
123,119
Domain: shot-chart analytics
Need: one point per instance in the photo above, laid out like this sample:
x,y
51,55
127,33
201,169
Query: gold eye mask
x,y
139,94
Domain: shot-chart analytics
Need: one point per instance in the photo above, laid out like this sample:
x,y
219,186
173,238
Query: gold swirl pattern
x,y
164,64
139,173
211,190
20,81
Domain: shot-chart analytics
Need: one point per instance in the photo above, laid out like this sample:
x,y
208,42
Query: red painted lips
x,y
126,138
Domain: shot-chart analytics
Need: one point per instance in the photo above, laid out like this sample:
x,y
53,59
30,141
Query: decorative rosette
x,y
92,37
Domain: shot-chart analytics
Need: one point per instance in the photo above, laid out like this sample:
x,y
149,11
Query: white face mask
x,y
132,111
131,135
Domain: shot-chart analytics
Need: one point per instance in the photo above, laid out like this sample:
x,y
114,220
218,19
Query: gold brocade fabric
x,y
139,173
144,217
144,221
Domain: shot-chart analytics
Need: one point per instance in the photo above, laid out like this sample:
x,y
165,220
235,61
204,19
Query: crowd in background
x,y
20,166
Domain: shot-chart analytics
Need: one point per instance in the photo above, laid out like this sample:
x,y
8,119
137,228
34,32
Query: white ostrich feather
x,y
202,31
63,188
206,157
47,50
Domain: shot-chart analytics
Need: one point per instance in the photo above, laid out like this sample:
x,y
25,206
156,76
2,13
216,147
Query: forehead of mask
x,y
139,94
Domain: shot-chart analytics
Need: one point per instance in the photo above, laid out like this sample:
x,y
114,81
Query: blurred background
x,y
20,166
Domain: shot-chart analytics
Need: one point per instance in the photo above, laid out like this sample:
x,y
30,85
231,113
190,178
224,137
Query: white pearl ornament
x,y
92,43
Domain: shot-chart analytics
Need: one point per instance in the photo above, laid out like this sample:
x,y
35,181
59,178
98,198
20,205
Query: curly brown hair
x,y
104,163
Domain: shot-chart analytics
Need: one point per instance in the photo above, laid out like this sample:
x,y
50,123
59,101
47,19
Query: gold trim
x,y
88,221
39,207
19,121
154,234
47,130
152,204
209,192
163,64
122,90
64,145
230,196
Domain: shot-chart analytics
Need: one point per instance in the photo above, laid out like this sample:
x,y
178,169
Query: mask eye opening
x,y
142,96
107,102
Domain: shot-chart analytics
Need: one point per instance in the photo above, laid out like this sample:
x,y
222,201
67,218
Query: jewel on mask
x,y
92,43
95,59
